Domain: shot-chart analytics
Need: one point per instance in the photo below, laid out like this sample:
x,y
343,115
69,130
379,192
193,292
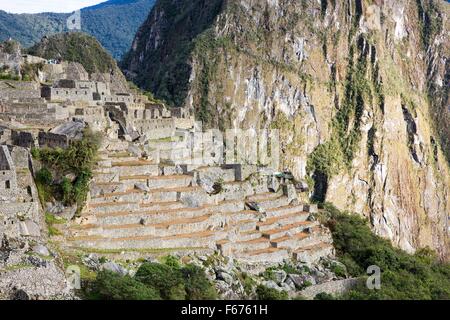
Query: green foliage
x,y
44,176
154,281
8,76
78,160
44,181
111,286
360,87
430,22
265,293
248,282
30,71
197,285
404,276
51,220
327,158
168,281
324,296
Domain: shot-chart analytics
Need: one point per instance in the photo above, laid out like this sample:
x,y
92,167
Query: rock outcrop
x,y
358,90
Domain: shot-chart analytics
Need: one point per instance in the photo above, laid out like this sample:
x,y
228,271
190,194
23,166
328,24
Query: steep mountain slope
x,y
358,89
113,23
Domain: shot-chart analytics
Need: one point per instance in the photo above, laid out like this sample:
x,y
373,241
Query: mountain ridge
x,y
98,20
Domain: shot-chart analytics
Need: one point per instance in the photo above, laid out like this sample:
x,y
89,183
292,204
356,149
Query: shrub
x,y
324,296
404,276
265,293
111,286
78,159
197,285
168,281
44,176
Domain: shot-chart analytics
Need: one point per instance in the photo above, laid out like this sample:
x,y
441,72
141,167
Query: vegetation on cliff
x,y
403,276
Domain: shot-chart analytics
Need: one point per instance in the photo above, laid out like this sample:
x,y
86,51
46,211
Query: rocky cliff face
x,y
358,89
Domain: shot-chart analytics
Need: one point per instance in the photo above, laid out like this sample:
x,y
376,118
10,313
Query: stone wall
x,y
333,287
22,139
155,128
35,111
52,140
10,90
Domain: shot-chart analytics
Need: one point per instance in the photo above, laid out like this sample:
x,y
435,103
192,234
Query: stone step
x,y
288,229
273,204
244,215
187,225
158,182
267,255
99,188
133,195
109,155
175,227
115,231
293,241
133,168
263,196
163,205
105,177
283,210
313,253
280,221
205,239
245,225
246,245
106,207
150,216
155,195
249,235
167,215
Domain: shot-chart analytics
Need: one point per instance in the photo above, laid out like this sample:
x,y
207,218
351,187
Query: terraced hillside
x,y
137,205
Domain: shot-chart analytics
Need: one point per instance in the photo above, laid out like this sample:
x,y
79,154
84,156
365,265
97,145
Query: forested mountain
x,y
113,23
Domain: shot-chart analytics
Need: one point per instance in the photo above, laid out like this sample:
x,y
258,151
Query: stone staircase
x,y
136,204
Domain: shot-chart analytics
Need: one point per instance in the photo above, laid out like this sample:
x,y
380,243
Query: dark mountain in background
x,y
114,23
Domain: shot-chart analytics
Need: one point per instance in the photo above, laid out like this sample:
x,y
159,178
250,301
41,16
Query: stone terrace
x,y
137,205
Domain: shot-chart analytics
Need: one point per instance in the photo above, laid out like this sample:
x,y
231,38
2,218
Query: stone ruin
x,y
148,191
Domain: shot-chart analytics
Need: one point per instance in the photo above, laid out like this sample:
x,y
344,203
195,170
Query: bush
x,y
111,286
197,285
168,281
404,276
78,159
154,281
44,176
324,296
265,293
